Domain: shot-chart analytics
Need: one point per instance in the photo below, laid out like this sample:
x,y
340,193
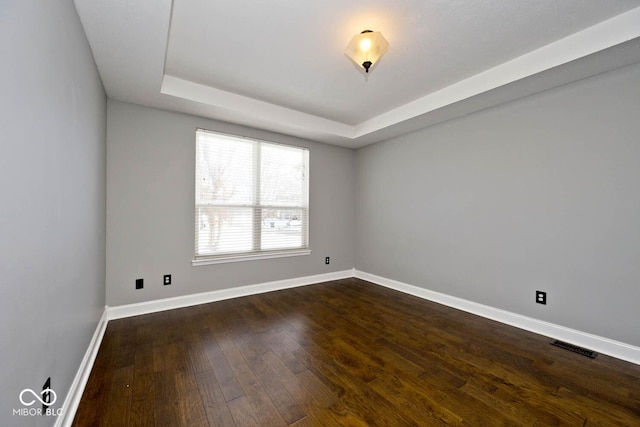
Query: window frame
x,y
256,206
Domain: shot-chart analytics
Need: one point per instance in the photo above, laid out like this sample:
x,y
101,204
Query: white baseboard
x,y
599,344
71,402
128,310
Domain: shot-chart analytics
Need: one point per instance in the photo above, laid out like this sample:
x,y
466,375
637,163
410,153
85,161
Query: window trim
x,y
221,259
256,254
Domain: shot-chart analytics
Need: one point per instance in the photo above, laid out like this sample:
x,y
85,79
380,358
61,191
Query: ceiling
x,y
280,65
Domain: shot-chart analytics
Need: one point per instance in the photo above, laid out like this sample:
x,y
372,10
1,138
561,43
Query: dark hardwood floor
x,y
345,353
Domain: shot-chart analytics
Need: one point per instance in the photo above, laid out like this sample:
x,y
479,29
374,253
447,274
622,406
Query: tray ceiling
x,y
280,66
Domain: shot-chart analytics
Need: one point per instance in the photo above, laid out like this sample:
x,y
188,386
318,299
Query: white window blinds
x,y
252,197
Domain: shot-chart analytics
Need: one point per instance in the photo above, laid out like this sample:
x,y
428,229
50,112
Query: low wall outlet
x,y
327,260
139,283
167,279
541,297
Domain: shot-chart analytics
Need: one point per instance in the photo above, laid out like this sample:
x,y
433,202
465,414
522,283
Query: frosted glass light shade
x,y
366,48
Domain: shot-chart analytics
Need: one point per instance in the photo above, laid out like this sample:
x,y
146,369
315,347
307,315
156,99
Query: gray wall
x,y
150,208
542,193
52,182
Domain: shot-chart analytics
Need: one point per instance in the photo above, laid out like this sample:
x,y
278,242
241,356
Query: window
x,y
252,199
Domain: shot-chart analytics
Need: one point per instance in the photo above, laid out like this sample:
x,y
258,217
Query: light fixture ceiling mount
x,y
366,48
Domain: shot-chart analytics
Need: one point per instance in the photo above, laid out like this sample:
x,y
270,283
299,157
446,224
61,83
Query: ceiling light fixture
x,y
366,48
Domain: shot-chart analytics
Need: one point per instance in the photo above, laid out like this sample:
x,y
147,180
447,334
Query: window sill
x,y
248,257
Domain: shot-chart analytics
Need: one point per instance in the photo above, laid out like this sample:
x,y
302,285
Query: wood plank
x,y
229,384
213,400
243,413
253,390
142,413
166,398
282,400
190,409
